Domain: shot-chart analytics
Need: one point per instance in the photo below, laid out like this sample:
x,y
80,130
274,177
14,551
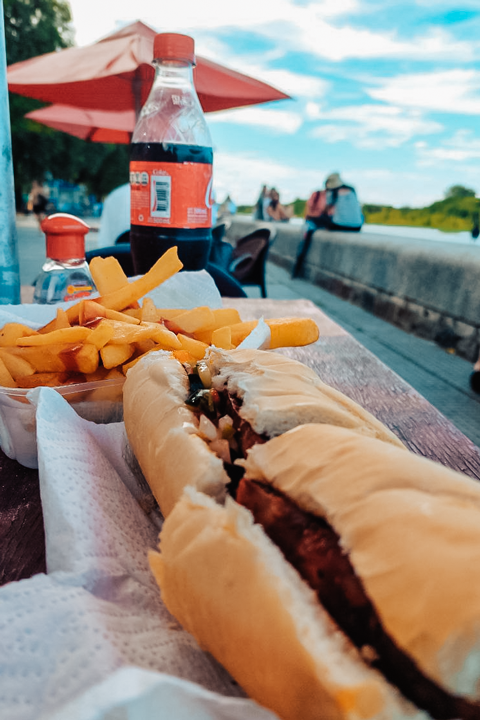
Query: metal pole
x,y
9,269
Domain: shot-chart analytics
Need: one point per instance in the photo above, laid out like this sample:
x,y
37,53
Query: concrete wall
x,y
428,288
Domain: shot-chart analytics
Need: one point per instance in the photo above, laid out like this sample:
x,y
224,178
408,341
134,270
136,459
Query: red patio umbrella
x,y
95,125
116,74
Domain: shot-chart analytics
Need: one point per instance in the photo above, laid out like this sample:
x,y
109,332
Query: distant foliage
x,y
32,28
459,211
459,191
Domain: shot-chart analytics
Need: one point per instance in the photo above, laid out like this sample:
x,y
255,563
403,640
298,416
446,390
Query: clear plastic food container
x,y
100,401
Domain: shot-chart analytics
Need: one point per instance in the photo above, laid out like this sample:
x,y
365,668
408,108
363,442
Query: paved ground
x,y
440,377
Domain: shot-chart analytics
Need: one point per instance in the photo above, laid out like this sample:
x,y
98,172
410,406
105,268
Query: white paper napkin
x,y
90,639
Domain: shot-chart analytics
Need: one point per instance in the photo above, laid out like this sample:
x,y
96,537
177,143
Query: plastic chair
x,y
249,259
123,238
221,252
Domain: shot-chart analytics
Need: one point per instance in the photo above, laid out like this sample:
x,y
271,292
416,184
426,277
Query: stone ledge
x,y
430,289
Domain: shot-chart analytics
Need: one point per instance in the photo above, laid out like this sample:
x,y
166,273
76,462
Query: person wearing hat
x,y
335,208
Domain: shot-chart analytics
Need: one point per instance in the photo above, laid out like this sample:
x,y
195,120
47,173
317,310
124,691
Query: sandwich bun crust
x,y
156,419
231,587
279,393
411,528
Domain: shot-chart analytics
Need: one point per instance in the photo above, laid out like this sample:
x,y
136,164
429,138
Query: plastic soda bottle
x,y
65,274
171,163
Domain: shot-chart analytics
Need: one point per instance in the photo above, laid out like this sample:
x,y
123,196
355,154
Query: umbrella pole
x,y
9,268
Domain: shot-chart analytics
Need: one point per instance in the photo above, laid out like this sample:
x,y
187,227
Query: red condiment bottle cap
x,y
65,236
173,46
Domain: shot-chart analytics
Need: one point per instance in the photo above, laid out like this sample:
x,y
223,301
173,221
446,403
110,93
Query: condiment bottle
x,y
65,274
171,163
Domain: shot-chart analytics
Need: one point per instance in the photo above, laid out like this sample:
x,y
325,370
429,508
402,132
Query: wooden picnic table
x,y
339,360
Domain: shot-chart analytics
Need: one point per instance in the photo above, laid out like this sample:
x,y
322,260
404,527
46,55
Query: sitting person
x,y
261,204
115,218
275,210
343,209
335,208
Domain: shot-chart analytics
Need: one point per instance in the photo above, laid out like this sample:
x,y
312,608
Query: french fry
x,y
5,378
194,347
150,313
125,333
65,335
88,311
81,358
225,316
184,357
101,335
294,332
144,346
222,318
59,358
120,299
197,319
16,366
98,339
50,379
239,331
61,321
286,332
222,338
91,310
165,267
169,313
114,355
11,332
123,316
107,274
133,312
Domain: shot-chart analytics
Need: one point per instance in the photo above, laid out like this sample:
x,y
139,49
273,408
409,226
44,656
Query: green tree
x,y
32,28
459,191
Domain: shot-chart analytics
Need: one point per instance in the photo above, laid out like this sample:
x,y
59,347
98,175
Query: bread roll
x,y
231,587
276,394
279,393
411,529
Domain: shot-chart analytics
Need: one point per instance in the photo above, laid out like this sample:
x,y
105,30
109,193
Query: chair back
x,y
221,252
250,257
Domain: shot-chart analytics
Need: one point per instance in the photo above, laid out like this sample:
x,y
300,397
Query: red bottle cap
x,y
65,236
173,46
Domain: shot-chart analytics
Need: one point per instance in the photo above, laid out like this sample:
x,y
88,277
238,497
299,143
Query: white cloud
x,y
452,91
462,146
242,175
292,83
280,121
373,126
308,28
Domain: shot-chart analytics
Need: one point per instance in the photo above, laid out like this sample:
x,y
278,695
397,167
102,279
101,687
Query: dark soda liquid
x,y
147,244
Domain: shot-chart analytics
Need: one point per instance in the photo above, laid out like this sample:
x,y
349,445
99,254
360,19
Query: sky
x,y
386,92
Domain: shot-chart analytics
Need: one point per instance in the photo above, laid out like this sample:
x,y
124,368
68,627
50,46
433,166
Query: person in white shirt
x,y
115,218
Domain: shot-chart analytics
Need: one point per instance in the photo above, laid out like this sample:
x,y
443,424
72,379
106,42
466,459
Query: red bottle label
x,y
176,195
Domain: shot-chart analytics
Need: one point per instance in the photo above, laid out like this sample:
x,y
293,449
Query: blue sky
x,y
385,91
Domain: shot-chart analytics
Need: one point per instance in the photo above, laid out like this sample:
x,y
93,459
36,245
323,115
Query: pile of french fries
x,y
102,338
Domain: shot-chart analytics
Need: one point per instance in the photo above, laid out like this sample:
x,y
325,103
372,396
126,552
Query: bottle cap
x,y
65,236
173,46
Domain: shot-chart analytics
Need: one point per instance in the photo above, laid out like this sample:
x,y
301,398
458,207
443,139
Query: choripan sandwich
x,y
187,426
342,582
